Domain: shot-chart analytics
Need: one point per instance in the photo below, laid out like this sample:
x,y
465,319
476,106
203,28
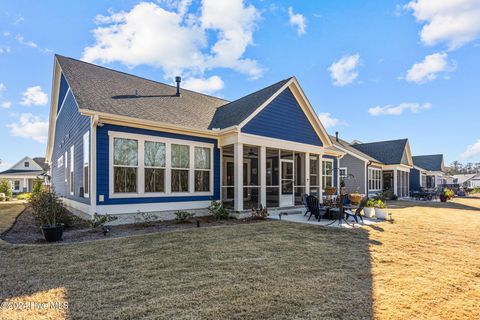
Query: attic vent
x,y
178,79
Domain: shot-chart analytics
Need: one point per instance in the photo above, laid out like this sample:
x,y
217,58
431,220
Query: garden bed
x,y
26,231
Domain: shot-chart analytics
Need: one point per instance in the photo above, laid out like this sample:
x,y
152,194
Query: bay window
x,y
180,167
125,165
202,169
154,158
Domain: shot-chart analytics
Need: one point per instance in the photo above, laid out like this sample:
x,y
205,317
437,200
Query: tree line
x,y
456,167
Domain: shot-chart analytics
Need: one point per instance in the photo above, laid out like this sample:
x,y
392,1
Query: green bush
x,y
379,204
448,193
6,189
183,216
24,196
48,209
475,190
217,210
37,186
370,203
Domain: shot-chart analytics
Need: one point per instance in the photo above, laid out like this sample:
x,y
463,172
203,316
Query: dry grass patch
x,y
9,211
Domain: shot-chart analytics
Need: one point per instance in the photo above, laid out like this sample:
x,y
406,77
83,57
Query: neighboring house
x,y
371,168
119,144
428,172
468,181
22,175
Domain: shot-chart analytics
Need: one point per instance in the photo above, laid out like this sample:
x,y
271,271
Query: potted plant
x,y
355,198
330,191
449,194
48,211
380,210
369,210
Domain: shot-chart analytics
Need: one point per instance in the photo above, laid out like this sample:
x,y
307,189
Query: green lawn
x,y
425,265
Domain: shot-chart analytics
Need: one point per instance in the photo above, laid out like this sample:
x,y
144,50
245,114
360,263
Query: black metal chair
x,y
314,208
304,202
357,213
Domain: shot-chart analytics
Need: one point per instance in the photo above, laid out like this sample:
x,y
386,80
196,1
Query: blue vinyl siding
x,y
283,119
414,180
70,129
62,92
103,169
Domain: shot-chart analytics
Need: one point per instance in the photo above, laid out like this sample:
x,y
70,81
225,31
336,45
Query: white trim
x,y
380,171
238,176
63,102
72,170
141,166
333,171
93,165
86,163
263,176
80,206
151,207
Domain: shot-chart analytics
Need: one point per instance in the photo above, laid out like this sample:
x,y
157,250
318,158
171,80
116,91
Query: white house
x,y
22,174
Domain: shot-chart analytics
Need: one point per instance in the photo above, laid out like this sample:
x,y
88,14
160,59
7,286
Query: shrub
x,y
379,204
217,210
183,216
37,186
48,209
6,189
475,190
370,203
100,220
261,213
448,193
386,195
24,196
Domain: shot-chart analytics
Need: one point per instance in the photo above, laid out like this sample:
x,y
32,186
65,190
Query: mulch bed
x,y
26,231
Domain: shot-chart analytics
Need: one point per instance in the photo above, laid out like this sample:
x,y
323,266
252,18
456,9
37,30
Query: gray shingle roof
x,y
21,172
388,152
108,91
104,90
347,146
431,162
236,111
41,162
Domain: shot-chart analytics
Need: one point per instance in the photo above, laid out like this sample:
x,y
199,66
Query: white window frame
x,y
324,181
86,163
27,164
374,182
150,167
343,176
60,162
19,185
141,166
72,171
198,169
66,167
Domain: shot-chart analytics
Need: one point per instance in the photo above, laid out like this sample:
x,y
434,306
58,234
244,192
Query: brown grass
x,y
426,265
9,211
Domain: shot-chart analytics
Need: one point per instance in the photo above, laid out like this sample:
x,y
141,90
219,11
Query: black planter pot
x,y
443,198
52,233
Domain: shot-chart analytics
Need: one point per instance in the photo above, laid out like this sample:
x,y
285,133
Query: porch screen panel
x,y
251,177
155,163
273,178
228,177
314,176
125,165
180,167
299,177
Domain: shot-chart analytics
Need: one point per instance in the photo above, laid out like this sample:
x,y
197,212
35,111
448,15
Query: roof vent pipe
x,y
178,80
336,136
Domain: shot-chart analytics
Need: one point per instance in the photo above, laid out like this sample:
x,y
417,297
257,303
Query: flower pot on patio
x,y
369,212
52,233
443,198
381,213
330,191
355,198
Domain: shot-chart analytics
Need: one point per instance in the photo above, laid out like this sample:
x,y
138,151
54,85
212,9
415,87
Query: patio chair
x,y
304,202
314,208
356,214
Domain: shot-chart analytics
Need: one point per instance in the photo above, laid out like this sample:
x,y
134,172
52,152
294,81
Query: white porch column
x,y
238,175
307,173
25,185
320,178
395,189
263,176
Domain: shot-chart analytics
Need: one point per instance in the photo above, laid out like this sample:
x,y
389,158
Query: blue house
x,y
119,144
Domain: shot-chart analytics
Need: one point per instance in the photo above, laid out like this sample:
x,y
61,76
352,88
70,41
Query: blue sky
x,y
373,70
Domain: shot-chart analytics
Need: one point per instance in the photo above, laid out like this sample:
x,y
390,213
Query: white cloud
x,y
176,40
471,151
298,21
204,85
34,96
344,71
2,88
429,68
328,121
6,104
20,39
455,22
391,110
5,50
30,126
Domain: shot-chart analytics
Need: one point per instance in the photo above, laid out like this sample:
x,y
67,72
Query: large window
x,y
314,176
374,179
180,167
327,173
125,165
202,169
149,166
16,185
72,174
155,164
86,164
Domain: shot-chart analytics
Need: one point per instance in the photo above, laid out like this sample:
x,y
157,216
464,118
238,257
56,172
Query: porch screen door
x,y
286,192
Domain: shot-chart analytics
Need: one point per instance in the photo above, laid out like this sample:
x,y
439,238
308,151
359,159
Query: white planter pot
x,y
369,212
381,213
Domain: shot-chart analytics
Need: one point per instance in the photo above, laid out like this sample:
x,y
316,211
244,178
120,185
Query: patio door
x,y
286,190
